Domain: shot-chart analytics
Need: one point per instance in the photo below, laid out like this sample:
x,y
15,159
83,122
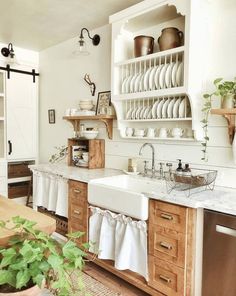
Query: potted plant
x,y
226,90
32,259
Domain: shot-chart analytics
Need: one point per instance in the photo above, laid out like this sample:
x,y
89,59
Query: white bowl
x,y
90,135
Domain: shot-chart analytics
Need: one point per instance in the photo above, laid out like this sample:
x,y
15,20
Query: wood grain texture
x,y
96,152
78,209
166,277
168,215
9,209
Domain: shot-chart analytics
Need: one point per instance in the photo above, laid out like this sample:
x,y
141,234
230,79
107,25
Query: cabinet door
x,y
21,94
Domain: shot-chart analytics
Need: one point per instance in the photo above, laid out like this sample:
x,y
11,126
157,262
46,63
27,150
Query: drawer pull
x,y
164,278
77,212
165,245
77,191
166,216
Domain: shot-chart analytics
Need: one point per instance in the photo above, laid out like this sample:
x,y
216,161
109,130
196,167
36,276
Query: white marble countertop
x,y
75,173
221,199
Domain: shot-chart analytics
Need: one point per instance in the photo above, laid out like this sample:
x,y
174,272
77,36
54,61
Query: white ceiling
x,y
38,24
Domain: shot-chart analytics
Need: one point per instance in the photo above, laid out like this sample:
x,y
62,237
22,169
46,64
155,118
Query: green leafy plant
x,y
62,151
222,89
32,257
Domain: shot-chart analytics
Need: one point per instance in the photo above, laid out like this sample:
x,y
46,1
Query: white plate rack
x,y
164,70
170,108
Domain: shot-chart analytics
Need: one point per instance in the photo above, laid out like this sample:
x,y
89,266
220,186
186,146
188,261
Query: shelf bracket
x,y
109,126
231,126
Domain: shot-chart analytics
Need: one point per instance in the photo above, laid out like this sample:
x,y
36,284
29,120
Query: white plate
x,y
159,108
168,75
142,112
123,87
182,107
138,112
141,87
154,109
151,78
145,115
173,74
176,108
180,75
156,77
137,82
164,109
132,82
134,113
146,79
170,108
162,76
129,113
149,115
131,173
127,85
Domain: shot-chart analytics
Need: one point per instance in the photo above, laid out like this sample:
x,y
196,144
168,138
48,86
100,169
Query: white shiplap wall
x,y
62,86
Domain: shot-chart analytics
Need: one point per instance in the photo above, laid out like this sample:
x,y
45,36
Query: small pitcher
x,y
170,38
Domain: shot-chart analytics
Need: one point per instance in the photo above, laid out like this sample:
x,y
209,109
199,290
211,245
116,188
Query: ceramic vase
x,y
227,101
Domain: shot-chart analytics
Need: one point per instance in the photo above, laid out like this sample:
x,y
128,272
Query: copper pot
x,y
170,38
143,45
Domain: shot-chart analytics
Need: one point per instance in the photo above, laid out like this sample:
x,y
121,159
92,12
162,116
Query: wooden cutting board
x,y
9,209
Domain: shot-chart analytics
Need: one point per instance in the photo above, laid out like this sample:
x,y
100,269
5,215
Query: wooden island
x,y
9,209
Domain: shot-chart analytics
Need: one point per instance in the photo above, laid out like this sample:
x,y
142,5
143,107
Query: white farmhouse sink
x,y
122,194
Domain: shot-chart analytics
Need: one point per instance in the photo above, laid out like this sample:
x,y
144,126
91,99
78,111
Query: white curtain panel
x,y
62,198
51,196
119,238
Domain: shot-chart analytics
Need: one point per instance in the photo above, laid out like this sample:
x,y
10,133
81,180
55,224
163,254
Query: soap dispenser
x,y
179,168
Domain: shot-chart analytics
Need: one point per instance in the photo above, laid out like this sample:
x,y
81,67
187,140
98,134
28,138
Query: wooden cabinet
x,y
78,208
171,248
95,149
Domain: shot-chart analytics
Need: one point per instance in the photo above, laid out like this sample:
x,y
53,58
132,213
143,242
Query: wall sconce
x,y
82,50
8,51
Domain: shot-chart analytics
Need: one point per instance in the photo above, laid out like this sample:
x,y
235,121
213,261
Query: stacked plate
x,y
162,108
157,77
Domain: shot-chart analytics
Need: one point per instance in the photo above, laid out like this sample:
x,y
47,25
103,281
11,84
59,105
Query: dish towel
x,y
119,238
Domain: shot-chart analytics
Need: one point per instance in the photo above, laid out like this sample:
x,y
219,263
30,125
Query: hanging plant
x,y
223,89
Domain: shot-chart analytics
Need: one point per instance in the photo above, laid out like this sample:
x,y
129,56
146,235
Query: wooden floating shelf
x,y
106,119
229,115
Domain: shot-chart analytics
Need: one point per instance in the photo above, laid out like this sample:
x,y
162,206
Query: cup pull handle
x,y
164,278
165,245
77,191
166,216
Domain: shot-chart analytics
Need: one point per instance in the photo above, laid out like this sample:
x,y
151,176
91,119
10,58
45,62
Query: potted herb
x,y
32,259
227,91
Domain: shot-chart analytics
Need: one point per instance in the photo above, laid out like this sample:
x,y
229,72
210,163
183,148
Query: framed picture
x,y
51,116
103,102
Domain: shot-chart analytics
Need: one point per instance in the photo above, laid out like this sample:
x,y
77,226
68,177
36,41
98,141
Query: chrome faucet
x,y
153,156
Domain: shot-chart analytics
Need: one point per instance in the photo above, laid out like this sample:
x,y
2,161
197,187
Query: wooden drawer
x,y
77,192
167,244
168,215
166,277
18,189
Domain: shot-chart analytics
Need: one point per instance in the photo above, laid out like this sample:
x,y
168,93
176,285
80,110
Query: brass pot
x,y
228,101
170,38
143,45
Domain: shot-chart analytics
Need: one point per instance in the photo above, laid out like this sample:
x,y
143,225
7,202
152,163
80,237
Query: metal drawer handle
x,y
226,230
164,278
77,191
77,212
166,245
166,216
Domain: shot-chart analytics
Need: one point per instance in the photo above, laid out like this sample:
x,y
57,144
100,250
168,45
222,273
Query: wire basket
x,y
192,182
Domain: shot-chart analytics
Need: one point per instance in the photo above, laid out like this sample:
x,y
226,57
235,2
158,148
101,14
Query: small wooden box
x,y
19,169
95,149
18,189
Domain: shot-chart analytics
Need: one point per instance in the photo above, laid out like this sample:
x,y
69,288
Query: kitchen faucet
x,y
153,156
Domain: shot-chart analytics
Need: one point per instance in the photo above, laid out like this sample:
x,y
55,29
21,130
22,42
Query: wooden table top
x,y
9,209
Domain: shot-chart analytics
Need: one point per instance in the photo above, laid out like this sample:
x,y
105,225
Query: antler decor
x,y
90,83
